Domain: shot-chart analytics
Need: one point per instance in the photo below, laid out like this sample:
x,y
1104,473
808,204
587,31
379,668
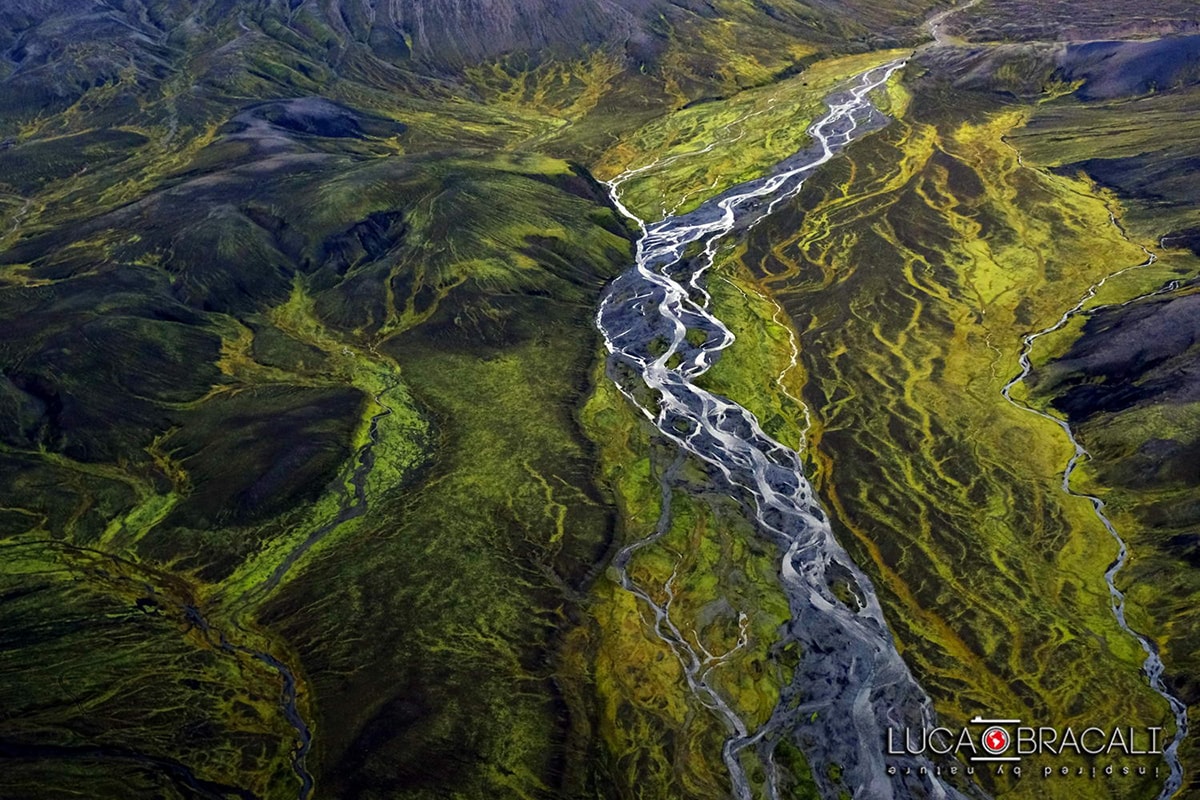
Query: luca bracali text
x,y
1007,747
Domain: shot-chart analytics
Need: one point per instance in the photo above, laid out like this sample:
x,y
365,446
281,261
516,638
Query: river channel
x,y
851,684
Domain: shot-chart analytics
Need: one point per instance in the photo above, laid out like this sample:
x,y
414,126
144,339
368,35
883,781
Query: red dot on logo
x,y
995,740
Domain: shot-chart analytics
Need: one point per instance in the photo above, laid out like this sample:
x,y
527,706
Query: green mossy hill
x,y
319,392
569,80
55,53
128,702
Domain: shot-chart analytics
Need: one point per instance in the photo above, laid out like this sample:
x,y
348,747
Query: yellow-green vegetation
x,y
1104,372
554,94
762,366
465,582
707,147
392,432
592,106
147,701
1142,148
922,259
717,580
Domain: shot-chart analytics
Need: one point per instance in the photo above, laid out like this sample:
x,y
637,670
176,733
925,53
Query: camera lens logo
x,y
995,740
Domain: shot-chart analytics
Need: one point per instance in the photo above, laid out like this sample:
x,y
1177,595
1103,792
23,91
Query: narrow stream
x,y
850,684
1153,665
353,504
697,662
287,698
167,592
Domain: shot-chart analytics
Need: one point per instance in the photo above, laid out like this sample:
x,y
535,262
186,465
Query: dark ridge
x,y
1188,238
316,116
1054,20
1111,70
1130,355
181,775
